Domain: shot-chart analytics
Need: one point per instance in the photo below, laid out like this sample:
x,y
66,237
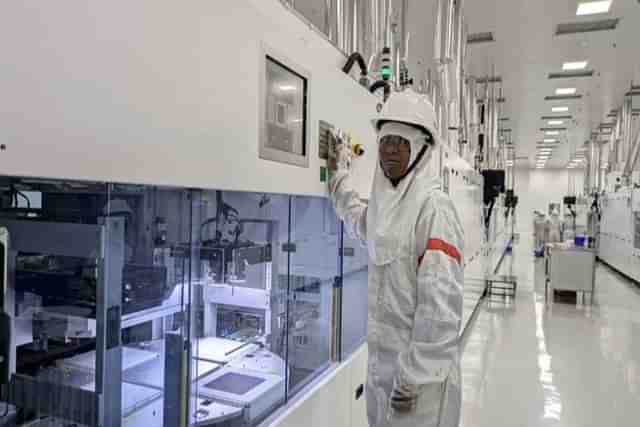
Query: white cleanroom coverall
x,y
554,225
415,242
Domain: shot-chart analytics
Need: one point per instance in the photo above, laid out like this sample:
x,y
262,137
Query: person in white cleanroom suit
x,y
554,226
415,242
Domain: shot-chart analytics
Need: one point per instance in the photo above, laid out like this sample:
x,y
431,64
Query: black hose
x,y
381,84
487,220
353,58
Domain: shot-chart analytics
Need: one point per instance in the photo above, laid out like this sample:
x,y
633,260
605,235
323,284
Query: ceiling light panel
x,y
593,7
552,132
555,122
549,140
573,66
559,109
566,91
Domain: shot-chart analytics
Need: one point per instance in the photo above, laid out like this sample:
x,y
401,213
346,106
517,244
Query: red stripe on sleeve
x,y
442,246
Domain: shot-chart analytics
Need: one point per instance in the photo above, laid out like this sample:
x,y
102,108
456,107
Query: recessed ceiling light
x,y
566,91
549,140
555,122
572,66
552,132
593,7
560,109
288,88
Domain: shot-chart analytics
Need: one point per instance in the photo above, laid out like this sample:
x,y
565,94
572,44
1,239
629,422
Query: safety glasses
x,y
394,143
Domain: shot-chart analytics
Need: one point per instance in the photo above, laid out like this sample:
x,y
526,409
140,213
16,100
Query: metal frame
x,y
102,407
268,153
176,380
109,323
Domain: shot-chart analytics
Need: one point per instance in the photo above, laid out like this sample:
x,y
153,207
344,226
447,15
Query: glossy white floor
x,y
531,363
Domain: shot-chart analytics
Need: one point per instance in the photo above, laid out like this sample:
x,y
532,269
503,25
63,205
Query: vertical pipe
x,y
388,22
327,20
353,24
586,171
623,128
593,165
460,77
617,141
450,33
625,135
438,36
404,29
338,17
331,21
599,167
499,141
629,128
401,39
364,27
374,17
347,23
589,168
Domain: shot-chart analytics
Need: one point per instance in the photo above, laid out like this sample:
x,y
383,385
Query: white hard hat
x,y
411,108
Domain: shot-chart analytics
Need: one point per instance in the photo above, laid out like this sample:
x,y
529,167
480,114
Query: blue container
x,y
579,240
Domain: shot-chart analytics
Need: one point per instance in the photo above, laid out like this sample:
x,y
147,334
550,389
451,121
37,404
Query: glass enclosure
x,y
151,306
354,294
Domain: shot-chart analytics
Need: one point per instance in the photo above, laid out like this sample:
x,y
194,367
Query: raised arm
x,y
349,207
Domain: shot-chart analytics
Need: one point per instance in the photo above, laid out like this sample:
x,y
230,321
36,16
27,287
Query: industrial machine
x,y
217,293
152,291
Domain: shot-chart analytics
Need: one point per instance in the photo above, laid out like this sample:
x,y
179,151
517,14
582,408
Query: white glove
x,y
403,398
339,158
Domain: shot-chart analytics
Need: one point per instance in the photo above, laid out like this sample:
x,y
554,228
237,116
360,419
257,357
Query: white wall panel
x,y
162,92
332,401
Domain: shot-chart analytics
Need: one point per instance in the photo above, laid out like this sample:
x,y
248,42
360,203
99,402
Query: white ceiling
x,y
526,51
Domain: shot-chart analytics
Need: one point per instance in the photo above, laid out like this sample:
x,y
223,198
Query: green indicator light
x,y
386,72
